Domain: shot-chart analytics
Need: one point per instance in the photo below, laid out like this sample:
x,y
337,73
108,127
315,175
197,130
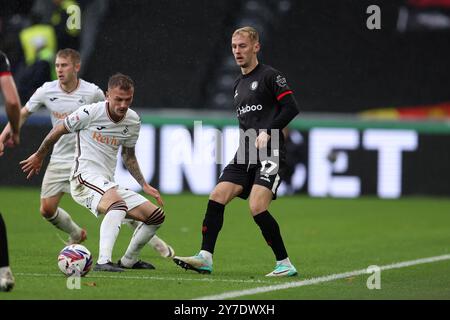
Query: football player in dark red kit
x,y
265,105
12,103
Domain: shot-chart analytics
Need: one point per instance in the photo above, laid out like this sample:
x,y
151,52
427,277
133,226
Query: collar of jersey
x,y
251,72
109,115
70,92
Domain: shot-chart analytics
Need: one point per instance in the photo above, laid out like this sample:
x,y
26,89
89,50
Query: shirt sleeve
x,y
36,100
79,119
134,135
285,99
99,95
279,85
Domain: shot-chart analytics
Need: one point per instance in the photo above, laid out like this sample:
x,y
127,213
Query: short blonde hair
x,y
74,55
252,33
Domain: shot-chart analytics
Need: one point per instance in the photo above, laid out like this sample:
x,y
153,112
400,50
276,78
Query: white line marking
x,y
92,276
332,277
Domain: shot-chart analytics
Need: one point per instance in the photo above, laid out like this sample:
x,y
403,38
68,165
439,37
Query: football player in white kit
x,y
62,97
101,128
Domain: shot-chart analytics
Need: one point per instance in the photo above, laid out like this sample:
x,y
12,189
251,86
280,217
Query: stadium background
x,y
344,76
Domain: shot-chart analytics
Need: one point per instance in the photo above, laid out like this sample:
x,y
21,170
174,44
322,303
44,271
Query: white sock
x,y
285,262
155,242
158,244
63,221
141,236
109,230
131,223
207,255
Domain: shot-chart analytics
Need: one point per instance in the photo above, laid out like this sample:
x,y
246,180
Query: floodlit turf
x,y
323,237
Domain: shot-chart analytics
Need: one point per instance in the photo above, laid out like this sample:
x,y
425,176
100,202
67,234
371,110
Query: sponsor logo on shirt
x,y
112,141
89,202
241,110
53,99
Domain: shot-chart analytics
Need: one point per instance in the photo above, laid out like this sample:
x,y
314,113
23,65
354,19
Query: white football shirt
x,y
99,138
60,104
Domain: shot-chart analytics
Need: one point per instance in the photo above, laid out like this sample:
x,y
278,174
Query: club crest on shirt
x,y
254,85
125,131
82,101
281,81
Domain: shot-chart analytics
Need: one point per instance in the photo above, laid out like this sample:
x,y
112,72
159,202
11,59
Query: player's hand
x,y
148,189
262,140
32,165
8,141
5,142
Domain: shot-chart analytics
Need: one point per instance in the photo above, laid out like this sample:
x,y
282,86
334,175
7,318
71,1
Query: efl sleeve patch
x,y
78,119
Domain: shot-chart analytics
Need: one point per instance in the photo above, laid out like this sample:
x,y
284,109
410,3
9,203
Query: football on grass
x,y
75,259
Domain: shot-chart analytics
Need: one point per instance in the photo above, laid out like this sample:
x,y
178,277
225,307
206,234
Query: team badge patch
x,y
72,120
81,101
254,85
281,81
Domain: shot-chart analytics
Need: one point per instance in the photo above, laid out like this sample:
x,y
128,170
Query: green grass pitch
x,y
323,237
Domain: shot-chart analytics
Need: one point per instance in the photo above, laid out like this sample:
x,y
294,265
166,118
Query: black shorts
x,y
247,175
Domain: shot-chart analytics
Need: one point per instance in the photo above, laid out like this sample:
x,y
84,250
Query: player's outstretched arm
x,y
6,137
131,163
12,103
33,164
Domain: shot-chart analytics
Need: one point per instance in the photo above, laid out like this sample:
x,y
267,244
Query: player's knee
x,y
46,210
157,217
219,196
116,205
257,207
215,196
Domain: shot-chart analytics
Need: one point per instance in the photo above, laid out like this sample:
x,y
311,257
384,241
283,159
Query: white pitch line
x,y
204,279
332,277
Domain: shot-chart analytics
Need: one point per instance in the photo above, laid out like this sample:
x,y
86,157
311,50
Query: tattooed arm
x,y
33,164
131,163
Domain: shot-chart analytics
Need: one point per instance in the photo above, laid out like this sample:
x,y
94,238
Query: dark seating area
x,y
336,64
179,54
166,47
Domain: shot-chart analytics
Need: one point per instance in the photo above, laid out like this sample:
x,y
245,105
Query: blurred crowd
x,y
31,32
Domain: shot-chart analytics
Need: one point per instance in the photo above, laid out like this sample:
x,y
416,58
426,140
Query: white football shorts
x,y
87,190
56,179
